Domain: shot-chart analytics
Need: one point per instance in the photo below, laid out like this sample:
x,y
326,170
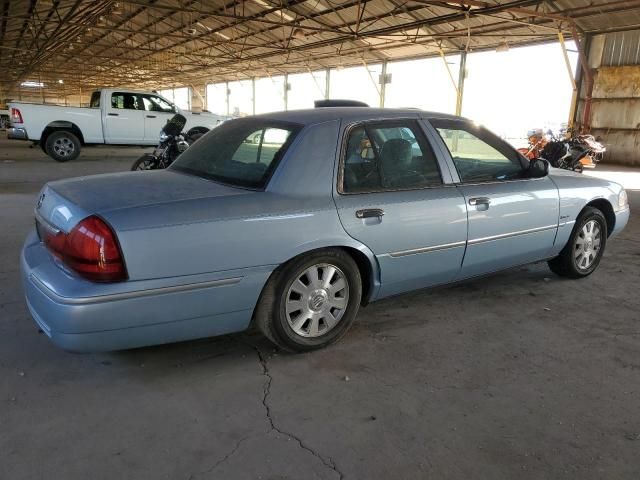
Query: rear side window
x,y
242,152
95,100
478,155
388,156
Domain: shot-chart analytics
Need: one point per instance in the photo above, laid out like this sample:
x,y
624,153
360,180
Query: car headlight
x,y
163,136
623,199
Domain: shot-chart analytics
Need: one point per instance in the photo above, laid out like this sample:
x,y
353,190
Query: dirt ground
x,y
519,375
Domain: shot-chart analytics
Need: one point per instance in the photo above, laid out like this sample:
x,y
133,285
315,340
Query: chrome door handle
x,y
370,212
479,201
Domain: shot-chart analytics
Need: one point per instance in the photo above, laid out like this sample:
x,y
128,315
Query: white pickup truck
x,y
114,116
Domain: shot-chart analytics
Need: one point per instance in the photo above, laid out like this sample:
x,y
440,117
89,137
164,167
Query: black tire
x,y
195,133
567,263
145,162
271,316
194,138
62,146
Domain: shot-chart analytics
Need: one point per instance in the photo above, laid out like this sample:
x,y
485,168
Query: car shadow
x,y
401,311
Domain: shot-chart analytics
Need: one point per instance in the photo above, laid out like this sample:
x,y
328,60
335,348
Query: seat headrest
x,y
396,155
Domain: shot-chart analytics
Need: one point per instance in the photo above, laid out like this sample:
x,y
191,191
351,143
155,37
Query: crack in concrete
x,y
222,460
327,461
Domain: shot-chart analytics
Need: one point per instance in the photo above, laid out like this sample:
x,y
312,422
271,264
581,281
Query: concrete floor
x,y
520,375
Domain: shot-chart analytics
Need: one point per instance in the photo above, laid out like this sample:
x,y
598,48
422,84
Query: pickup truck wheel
x,y
311,301
62,146
581,255
195,133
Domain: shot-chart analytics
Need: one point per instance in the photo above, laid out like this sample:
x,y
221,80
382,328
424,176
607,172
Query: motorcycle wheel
x,y
145,162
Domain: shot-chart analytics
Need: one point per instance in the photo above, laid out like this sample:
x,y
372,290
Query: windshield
x,y
241,152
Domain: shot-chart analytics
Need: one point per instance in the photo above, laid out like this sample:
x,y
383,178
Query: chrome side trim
x,y
415,251
512,234
129,295
570,222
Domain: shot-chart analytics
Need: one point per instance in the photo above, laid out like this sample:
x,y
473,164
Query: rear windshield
x,y
241,152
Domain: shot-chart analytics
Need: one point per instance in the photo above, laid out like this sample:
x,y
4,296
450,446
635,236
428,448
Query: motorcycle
x,y
537,140
172,143
570,153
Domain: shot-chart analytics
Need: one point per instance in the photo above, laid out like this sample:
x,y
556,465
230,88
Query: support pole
x,y
327,84
41,88
383,83
227,92
286,91
253,95
585,125
461,77
446,65
574,85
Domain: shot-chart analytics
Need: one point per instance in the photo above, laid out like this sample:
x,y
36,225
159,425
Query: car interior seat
x,y
397,164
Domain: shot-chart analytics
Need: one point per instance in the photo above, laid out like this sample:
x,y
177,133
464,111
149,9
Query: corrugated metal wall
x,y
621,48
615,109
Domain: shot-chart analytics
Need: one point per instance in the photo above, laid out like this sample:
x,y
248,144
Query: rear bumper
x,y
14,133
134,318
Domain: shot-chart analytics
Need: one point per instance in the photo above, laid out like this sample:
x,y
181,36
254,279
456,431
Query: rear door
x,y
157,112
513,219
396,197
124,119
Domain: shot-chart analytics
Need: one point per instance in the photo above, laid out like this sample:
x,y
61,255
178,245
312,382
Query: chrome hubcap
x,y
587,245
317,300
63,147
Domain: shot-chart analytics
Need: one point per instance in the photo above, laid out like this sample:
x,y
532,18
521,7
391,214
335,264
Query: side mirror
x,y
538,167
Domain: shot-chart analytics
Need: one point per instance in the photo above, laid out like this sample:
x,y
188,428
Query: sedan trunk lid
x,y
63,203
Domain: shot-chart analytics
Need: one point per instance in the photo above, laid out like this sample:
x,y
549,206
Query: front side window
x,y
156,104
127,101
478,155
388,156
242,152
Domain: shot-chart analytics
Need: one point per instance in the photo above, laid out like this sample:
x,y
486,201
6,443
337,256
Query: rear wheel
x,y
583,252
62,146
311,301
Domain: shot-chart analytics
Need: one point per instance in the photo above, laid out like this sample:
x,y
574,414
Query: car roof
x,y
324,114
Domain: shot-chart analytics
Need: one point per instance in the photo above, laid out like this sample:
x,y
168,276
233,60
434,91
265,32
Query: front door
x,y
157,112
513,219
395,197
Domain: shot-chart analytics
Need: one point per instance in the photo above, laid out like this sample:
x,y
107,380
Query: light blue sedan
x,y
293,220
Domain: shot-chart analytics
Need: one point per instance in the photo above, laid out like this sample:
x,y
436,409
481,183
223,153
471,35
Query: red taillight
x,y
90,249
16,116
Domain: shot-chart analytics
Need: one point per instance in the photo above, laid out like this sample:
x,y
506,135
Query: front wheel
x,y
583,252
311,301
62,146
145,162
